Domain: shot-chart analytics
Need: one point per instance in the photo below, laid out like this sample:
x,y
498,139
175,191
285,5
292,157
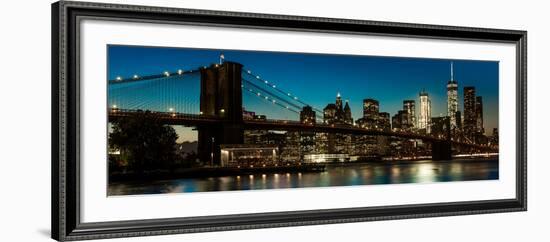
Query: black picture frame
x,y
66,224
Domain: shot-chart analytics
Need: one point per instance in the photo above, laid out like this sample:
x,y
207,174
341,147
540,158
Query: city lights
x,y
324,129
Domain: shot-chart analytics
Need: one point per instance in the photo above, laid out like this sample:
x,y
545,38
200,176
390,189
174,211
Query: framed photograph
x,y
172,120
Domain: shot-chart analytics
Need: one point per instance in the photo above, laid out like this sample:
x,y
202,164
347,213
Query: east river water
x,y
424,171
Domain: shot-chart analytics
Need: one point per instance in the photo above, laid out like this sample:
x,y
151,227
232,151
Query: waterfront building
x,y
479,115
371,108
322,158
307,138
458,119
452,100
307,143
307,115
337,114
367,145
339,102
493,141
248,155
470,116
321,143
371,114
425,115
248,115
348,119
400,121
291,149
263,137
409,107
384,121
329,114
256,137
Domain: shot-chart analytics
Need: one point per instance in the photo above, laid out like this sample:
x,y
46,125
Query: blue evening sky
x,y
316,78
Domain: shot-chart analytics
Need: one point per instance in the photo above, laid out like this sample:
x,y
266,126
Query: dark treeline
x,y
145,144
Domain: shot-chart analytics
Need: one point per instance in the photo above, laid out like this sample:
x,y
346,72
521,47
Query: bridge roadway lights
x,y
441,150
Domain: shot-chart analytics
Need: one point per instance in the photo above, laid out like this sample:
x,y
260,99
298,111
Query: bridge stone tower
x,y
220,98
441,149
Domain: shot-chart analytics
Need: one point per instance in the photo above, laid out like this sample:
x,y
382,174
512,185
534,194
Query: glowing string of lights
x,y
275,97
274,87
267,99
136,77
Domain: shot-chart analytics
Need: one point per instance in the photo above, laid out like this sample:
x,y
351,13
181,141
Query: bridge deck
x,y
283,125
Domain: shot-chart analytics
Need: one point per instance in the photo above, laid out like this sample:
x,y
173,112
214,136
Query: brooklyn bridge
x,y
210,99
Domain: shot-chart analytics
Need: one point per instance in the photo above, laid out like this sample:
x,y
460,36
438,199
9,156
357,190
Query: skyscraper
x,y
479,116
336,113
470,117
329,114
307,115
400,121
425,116
494,138
370,114
458,118
367,145
452,99
370,108
409,107
339,101
384,121
348,119
307,138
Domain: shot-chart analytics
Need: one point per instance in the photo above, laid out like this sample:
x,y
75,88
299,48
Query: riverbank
x,y
201,172
413,161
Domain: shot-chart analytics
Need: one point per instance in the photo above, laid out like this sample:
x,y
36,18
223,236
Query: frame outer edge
x,y
204,12
61,103
523,88
54,123
60,14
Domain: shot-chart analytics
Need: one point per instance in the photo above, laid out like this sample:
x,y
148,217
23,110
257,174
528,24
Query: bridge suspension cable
x,y
273,97
267,92
165,93
135,92
273,86
267,99
165,74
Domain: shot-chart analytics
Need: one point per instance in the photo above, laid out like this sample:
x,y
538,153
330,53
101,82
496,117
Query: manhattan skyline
x,y
317,78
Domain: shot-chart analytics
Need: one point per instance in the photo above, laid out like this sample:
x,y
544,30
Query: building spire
x,y
452,72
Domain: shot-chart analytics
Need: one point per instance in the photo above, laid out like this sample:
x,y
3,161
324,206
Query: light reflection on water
x,y
350,174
